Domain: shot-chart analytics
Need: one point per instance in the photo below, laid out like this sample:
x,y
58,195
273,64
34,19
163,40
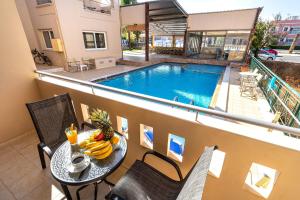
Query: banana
x,y
101,151
83,144
100,146
88,153
93,144
104,155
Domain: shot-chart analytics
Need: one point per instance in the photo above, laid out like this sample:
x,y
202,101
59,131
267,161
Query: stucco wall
x,y
74,19
17,84
35,19
226,20
133,15
240,151
27,24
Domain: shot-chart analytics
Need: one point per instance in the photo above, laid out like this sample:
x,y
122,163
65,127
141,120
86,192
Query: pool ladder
x,y
191,103
175,99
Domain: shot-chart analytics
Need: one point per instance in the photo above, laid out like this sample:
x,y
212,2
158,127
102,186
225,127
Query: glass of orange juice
x,y
71,133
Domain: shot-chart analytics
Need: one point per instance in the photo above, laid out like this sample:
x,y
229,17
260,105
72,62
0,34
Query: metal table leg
x,y
96,190
78,190
66,191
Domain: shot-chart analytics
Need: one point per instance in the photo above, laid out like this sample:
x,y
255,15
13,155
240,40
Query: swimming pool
x,y
186,82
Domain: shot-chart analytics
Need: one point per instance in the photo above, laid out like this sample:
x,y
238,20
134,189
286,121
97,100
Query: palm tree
x,y
128,2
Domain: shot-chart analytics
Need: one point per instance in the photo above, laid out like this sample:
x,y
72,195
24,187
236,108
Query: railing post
x,y
93,90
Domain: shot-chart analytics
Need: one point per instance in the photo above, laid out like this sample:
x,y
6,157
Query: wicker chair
x,y
73,66
51,117
90,62
143,182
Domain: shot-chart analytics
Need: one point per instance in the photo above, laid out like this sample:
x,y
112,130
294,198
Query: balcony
x,y
241,144
100,6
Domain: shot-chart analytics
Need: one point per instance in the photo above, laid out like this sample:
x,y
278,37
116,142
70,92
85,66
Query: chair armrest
x,y
165,159
46,149
87,125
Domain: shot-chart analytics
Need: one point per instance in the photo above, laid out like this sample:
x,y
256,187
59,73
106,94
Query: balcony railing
x,y
198,110
281,97
101,6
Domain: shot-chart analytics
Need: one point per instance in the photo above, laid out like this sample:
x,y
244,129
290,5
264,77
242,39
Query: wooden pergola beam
x,y
165,8
165,14
166,19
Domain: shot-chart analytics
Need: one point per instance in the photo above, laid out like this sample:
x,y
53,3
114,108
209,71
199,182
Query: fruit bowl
x,y
99,147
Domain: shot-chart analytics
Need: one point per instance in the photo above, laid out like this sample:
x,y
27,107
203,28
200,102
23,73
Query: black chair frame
x,y
42,146
164,158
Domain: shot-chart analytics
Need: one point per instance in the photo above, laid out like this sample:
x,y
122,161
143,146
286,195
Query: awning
x,y
167,17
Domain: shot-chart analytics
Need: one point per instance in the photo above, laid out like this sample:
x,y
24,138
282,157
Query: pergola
x,y
165,18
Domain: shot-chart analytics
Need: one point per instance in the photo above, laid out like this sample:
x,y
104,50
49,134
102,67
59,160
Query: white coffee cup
x,y
78,160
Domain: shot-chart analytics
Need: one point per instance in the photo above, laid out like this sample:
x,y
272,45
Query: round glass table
x,y
97,171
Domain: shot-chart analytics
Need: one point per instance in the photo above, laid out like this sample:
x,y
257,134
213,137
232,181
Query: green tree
x,y
128,2
137,35
263,36
277,17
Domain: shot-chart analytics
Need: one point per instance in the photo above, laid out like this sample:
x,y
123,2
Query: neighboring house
x,y
72,30
287,29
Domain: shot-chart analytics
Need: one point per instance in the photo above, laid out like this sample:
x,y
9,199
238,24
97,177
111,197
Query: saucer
x,y
73,169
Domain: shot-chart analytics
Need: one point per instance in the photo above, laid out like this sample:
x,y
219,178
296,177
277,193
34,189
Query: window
x,y
146,136
175,147
285,28
94,40
295,30
289,40
41,2
48,35
122,126
213,41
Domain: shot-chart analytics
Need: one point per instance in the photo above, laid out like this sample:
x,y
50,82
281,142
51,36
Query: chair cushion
x,y
143,182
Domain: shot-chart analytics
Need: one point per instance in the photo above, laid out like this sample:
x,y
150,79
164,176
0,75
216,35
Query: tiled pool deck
x,y
245,105
96,73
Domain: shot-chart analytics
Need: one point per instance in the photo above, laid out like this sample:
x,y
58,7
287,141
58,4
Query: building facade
x,y
287,30
72,30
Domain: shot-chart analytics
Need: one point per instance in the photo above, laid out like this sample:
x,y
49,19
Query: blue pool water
x,y
168,80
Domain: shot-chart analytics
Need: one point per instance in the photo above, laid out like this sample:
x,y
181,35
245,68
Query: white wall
x,y
17,84
226,20
36,18
27,24
74,19
133,15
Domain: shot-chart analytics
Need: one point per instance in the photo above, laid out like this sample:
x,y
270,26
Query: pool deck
x,y
95,74
245,105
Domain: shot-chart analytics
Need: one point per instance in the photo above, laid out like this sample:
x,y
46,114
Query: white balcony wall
x,y
240,150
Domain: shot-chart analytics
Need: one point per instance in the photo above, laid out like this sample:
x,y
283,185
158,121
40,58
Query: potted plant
x,y
101,120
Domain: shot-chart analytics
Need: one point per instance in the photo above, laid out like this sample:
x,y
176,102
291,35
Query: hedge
x,y
283,47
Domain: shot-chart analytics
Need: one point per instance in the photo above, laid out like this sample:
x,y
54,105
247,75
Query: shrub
x,y
283,47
